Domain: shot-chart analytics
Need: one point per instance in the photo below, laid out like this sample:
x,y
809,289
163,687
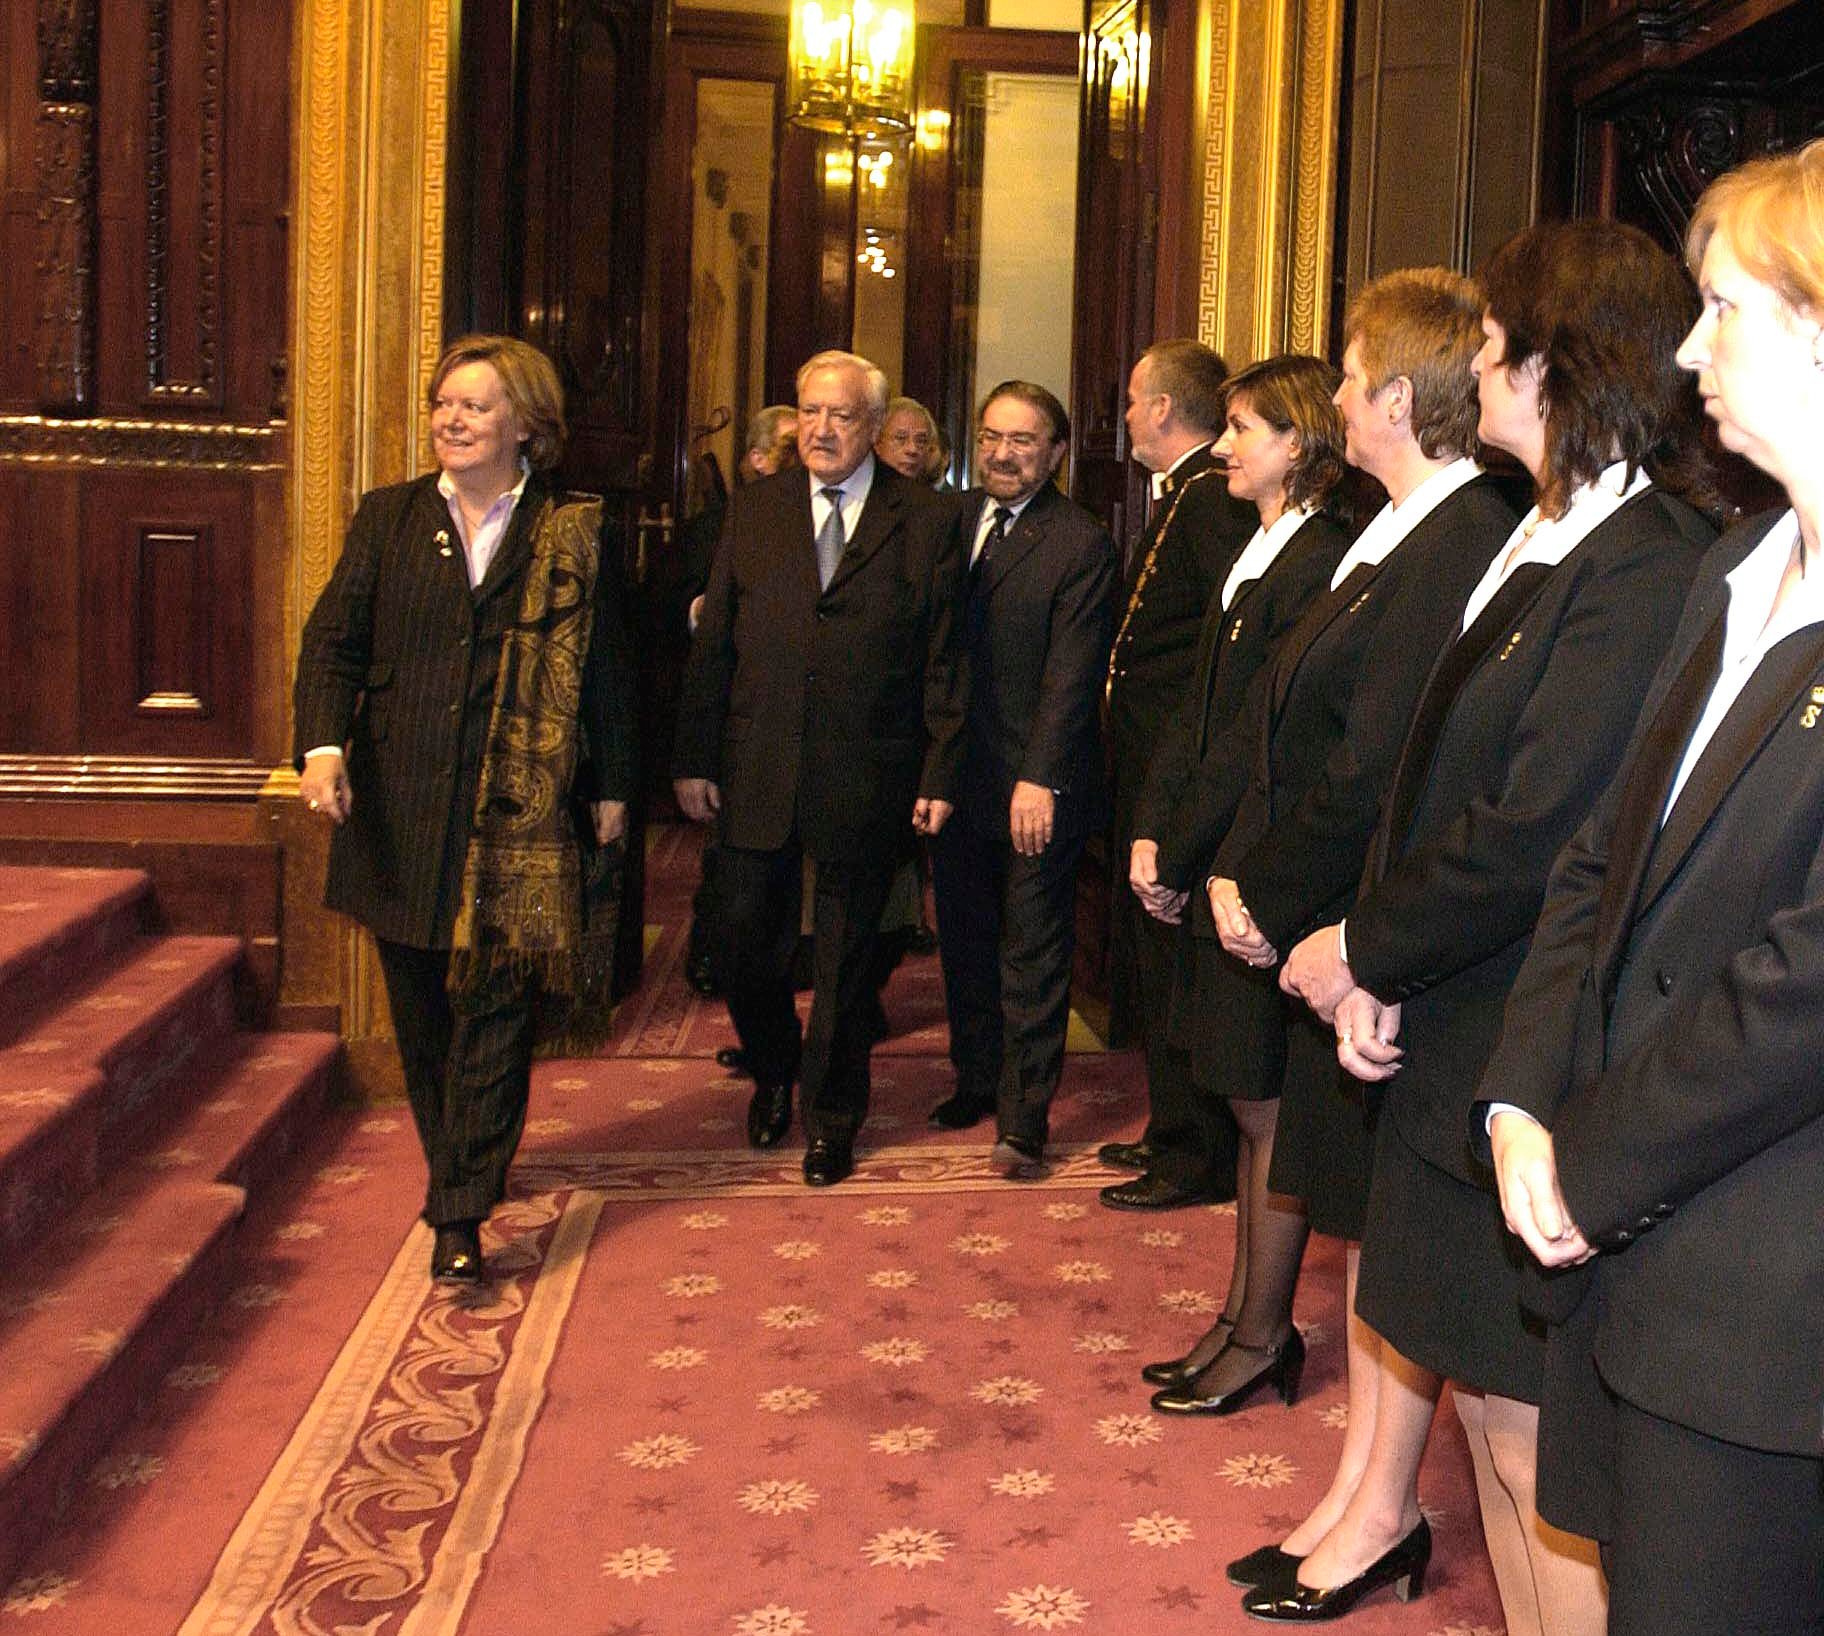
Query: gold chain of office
x,y
1146,568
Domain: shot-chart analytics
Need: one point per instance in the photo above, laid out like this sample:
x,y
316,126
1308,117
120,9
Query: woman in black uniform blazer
x,y
1661,1050
1519,729
1282,404
1299,776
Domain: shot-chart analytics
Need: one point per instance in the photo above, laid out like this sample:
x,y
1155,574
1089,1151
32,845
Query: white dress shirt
x,y
1391,524
1161,479
478,548
1261,552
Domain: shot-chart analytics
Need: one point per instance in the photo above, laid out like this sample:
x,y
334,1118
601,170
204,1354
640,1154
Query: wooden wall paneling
x,y
65,182
256,172
38,588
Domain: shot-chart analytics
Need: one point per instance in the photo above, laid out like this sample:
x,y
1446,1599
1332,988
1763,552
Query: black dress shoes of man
x,y
733,1058
1287,1602
1152,1192
1019,1158
1127,1155
1279,1367
700,973
828,1160
962,1110
456,1253
769,1115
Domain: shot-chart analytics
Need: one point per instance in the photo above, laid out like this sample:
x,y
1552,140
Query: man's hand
x,y
929,814
1030,816
323,785
698,798
1527,1169
1316,972
610,820
1235,926
1161,902
1365,1032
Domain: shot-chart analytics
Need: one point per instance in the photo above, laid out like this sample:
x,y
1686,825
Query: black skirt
x,y
1232,1019
1441,1275
1323,1150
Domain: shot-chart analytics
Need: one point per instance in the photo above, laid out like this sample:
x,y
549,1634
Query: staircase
x,y
136,1118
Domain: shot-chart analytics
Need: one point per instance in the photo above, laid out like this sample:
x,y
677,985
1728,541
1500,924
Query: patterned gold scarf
x,y
535,918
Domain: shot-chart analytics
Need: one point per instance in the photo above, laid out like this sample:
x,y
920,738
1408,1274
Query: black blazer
x,y
1039,618
1305,769
828,710
1666,1025
398,663
1152,666
1519,729
1233,646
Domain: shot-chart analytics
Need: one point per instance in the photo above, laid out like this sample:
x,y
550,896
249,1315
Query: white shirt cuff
x,y
324,750
1342,941
1505,1107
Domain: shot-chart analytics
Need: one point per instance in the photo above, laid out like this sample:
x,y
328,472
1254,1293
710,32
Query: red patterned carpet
x,y
699,1398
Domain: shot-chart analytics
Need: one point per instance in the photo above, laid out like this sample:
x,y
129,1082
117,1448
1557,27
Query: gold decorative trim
x,y
433,149
40,439
1218,94
144,778
1314,188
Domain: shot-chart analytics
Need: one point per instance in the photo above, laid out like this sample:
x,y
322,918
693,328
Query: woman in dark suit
x,y
462,677
1518,730
1293,786
1655,1104
1283,444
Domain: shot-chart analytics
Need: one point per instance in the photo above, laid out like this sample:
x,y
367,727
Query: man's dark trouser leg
x,y
1038,939
968,878
758,898
1192,1134
845,917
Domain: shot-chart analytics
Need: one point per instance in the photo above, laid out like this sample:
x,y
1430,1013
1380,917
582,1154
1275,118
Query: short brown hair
x,y
1424,323
529,381
1192,376
1603,308
1772,212
1294,393
1036,397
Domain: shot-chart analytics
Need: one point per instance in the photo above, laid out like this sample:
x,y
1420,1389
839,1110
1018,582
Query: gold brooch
x,y
1810,717
1512,643
442,537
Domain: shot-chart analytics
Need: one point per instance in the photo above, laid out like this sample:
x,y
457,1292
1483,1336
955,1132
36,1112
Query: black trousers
x,y
1192,1134
759,902
1006,931
468,1070
1712,1539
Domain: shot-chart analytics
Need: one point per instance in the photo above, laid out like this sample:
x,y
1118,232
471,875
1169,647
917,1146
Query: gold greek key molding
x,y
1270,148
43,440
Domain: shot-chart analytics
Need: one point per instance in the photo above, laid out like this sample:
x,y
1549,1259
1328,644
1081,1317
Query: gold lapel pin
x,y
442,537
1809,718
1512,643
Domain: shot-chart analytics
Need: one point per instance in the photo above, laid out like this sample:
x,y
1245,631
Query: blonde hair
x,y
1772,212
529,381
1424,323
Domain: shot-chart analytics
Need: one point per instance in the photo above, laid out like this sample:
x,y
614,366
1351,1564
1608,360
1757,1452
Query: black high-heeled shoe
x,y
1268,1566
1403,1567
1182,1371
1280,1368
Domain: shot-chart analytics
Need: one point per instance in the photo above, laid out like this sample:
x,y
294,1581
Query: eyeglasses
x,y
1019,442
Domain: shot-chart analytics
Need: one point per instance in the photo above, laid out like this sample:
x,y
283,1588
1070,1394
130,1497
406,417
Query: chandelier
x,y
851,68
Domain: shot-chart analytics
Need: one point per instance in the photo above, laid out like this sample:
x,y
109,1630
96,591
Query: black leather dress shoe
x,y
1150,1192
1280,1367
769,1115
1018,1158
1267,1566
1287,1602
733,1058
700,973
456,1253
827,1161
1127,1155
962,1110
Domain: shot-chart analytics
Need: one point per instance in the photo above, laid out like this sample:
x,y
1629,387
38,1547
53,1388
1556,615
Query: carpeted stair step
x,y
259,1098
94,1077
89,1326
57,928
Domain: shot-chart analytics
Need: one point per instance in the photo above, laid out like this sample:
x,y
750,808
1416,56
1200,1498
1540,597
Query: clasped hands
x,y
1159,900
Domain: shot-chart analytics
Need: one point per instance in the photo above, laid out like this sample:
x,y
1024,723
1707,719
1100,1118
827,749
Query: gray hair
x,y
763,428
836,359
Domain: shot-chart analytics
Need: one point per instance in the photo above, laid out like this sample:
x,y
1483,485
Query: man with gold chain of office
x,y
1175,406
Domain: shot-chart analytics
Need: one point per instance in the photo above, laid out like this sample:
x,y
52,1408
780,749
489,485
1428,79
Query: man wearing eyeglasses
x,y
1038,617
820,717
